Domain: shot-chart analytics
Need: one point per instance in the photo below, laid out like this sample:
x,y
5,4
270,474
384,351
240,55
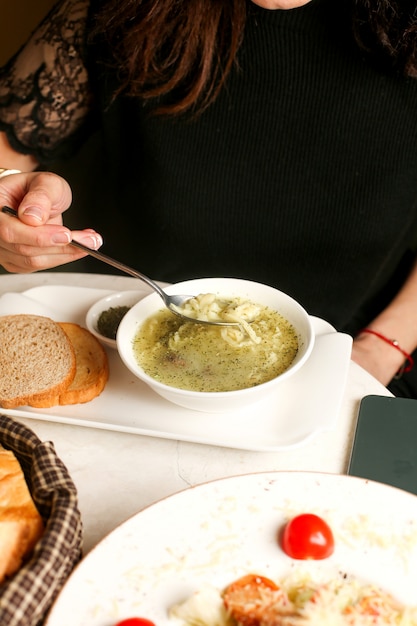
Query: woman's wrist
x,y
404,357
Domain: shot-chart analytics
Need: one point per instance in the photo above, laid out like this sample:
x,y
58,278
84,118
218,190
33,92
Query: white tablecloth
x,y
118,474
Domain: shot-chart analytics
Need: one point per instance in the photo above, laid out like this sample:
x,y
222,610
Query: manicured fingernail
x,y
33,211
92,241
61,237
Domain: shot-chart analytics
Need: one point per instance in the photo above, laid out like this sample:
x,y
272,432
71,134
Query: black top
x,y
301,175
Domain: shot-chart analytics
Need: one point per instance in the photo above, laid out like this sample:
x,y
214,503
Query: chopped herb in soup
x,y
199,357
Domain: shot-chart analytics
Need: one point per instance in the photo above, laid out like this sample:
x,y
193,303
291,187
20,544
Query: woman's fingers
x,y
36,239
25,258
39,197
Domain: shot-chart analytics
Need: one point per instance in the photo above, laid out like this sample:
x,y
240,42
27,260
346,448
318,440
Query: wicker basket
x,y
26,598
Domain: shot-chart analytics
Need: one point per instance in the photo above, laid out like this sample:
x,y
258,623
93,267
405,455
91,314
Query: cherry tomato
x,y
135,621
307,536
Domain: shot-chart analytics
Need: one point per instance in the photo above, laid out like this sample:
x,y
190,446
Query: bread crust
x,y
92,366
21,525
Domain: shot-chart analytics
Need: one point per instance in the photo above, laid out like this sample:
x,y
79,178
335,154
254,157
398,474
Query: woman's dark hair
x,y
183,50
388,29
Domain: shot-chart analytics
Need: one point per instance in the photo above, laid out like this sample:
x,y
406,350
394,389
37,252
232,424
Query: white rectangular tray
x,y
305,405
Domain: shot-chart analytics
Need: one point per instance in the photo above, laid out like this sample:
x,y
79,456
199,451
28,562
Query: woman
x,y
270,140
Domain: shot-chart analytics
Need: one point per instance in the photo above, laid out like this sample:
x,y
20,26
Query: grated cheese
x,y
302,602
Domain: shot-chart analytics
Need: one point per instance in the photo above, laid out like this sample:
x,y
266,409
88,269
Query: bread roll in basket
x,y
26,597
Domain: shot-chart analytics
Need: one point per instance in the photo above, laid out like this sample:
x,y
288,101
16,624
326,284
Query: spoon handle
x,y
105,259
117,264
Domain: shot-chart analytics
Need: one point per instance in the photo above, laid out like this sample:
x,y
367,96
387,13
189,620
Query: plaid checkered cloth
x,y
26,598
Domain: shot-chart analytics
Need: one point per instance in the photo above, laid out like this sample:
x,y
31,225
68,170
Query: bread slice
x,y
21,525
92,366
37,361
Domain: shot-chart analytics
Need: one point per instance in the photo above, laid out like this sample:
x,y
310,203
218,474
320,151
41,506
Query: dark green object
x,y
109,320
385,443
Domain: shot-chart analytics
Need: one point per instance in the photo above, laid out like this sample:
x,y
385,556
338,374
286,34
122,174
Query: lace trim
x,y
44,90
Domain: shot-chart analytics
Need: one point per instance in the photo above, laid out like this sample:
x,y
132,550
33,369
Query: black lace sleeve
x,y
45,97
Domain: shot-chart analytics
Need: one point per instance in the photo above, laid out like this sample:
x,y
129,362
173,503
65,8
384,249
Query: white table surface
x,y
118,474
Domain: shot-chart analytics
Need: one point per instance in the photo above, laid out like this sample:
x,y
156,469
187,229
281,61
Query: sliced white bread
x,y
21,525
37,361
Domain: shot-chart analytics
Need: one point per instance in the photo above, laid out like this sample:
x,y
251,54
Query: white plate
x,y
285,419
216,532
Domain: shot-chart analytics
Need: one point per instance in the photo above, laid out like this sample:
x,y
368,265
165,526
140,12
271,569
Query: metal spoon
x,y
172,302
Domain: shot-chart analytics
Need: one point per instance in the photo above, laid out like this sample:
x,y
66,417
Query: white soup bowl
x,y
222,401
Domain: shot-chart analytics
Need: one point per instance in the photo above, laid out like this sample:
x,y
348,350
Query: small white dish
x,y
121,298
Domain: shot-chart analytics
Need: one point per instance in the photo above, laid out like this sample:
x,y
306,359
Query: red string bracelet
x,y
409,361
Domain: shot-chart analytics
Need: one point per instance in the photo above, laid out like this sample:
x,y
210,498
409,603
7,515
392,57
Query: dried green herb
x,y
109,320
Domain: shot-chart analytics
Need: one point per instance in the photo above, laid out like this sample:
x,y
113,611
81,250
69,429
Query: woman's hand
x,y
38,240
